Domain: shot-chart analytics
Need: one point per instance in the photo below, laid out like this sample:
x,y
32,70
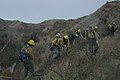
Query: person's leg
x,y
58,50
0,77
25,70
55,53
96,46
112,32
109,32
91,45
31,67
65,46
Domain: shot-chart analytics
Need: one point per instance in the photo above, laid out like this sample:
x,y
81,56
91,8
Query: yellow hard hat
x,y
66,37
31,42
79,30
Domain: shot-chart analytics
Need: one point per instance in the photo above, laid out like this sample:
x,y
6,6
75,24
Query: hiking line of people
x,y
111,28
91,36
58,44
62,43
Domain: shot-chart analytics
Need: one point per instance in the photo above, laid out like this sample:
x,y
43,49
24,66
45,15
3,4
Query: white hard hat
x,y
58,35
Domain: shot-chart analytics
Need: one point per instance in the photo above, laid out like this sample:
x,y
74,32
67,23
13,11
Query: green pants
x,y
56,52
93,45
29,67
0,77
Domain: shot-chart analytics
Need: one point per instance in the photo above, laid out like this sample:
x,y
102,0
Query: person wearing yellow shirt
x,y
29,65
92,36
57,42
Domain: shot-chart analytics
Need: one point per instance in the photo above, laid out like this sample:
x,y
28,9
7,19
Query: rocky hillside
x,y
76,65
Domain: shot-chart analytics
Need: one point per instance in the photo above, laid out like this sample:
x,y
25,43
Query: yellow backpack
x,y
66,37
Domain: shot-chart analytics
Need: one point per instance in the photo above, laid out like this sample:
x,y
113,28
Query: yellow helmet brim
x,y
31,42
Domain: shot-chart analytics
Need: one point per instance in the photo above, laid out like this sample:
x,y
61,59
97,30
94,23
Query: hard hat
x,y
113,23
31,42
58,34
96,27
66,37
79,30
109,25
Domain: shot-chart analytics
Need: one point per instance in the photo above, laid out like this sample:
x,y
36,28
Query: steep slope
x,y
76,65
19,32
102,17
79,66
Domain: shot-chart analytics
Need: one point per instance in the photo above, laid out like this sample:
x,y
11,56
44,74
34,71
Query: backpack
x,y
23,56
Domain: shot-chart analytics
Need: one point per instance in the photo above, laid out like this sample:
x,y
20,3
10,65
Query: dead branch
x,y
57,73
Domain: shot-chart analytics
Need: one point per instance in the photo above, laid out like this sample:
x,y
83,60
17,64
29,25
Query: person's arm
x,y
86,35
116,28
82,36
97,34
68,42
30,52
54,42
61,42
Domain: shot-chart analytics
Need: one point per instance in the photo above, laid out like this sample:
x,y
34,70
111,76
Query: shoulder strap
x,y
25,49
56,40
93,33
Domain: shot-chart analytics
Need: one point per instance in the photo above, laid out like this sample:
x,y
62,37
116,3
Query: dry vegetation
x,y
77,63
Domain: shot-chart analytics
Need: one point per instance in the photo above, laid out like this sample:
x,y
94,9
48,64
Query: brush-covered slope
x,y
76,65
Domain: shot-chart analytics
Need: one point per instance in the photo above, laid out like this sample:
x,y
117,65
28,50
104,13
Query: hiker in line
x,y
65,42
92,35
72,37
28,63
111,29
57,43
78,34
79,39
0,71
